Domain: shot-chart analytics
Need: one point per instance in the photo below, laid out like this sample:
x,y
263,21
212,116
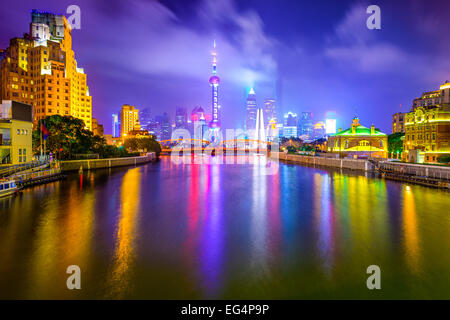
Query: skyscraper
x,y
40,69
144,118
306,124
250,122
214,81
269,111
115,126
166,128
129,119
181,118
290,125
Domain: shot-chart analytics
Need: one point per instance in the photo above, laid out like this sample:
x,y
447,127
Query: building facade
x,y
129,120
16,133
427,126
251,111
290,125
359,140
269,111
40,69
398,122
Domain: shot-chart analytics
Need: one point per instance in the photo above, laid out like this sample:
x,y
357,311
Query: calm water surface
x,y
168,230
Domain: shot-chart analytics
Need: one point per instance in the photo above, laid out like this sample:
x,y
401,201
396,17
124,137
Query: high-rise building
x,y
198,120
427,126
129,119
144,118
252,109
40,69
166,128
290,125
269,111
115,126
398,122
214,81
305,124
181,118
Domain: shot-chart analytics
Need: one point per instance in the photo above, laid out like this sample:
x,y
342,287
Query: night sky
x,y
310,55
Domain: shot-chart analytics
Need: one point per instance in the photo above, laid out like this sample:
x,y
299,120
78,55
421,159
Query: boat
x,y
7,188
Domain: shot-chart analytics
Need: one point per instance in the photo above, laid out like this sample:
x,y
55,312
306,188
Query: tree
x,y
67,137
395,143
143,145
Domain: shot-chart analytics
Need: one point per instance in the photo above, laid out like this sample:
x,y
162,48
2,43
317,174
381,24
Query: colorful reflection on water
x,y
218,230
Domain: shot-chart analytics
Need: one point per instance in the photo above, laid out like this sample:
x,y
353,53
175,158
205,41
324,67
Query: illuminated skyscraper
x,y
40,69
115,126
269,111
250,122
181,118
129,119
214,81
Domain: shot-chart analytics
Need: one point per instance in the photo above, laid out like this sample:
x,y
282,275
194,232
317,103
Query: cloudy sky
x,y
314,56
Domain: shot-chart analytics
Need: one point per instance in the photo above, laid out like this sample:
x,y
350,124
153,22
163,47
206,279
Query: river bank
x,y
92,164
426,175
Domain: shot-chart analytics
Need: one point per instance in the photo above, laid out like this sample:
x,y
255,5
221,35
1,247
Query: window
x,y
381,143
346,144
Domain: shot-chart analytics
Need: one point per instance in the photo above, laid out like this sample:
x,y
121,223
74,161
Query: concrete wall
x,y
360,165
72,165
438,172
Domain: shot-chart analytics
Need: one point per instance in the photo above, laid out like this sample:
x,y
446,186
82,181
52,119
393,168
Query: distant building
x,y
319,130
181,118
115,126
199,125
166,128
359,140
129,119
427,126
290,128
269,111
97,129
398,122
305,124
16,132
144,118
251,111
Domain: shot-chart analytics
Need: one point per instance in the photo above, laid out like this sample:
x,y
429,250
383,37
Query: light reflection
x,y
125,253
410,230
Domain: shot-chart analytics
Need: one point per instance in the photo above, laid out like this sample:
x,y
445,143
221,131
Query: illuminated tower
x,y
252,109
214,82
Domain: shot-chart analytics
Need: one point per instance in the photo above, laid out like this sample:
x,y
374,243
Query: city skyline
x,y
338,65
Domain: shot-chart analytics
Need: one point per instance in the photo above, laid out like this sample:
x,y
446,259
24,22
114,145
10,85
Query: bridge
x,y
226,146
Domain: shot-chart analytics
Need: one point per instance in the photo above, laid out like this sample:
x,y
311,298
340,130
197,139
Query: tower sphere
x,y
214,80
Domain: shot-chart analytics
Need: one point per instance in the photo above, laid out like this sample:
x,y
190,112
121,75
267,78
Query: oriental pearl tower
x,y
214,81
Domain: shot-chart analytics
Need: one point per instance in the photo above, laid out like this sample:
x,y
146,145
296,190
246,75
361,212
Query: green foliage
x,y
143,145
443,159
395,142
68,137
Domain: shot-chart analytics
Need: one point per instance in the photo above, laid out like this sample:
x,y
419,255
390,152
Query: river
x,y
218,230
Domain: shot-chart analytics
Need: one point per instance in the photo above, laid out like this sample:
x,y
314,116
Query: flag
x,y
44,130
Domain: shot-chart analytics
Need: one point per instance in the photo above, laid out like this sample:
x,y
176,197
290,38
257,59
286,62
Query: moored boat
x,y
7,188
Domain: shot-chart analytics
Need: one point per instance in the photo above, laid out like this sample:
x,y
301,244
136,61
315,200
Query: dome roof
x,y
214,80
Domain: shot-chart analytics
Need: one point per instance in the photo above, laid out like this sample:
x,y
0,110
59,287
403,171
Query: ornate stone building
x,y
359,140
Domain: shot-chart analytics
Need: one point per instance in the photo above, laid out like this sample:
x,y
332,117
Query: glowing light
x,y
330,126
